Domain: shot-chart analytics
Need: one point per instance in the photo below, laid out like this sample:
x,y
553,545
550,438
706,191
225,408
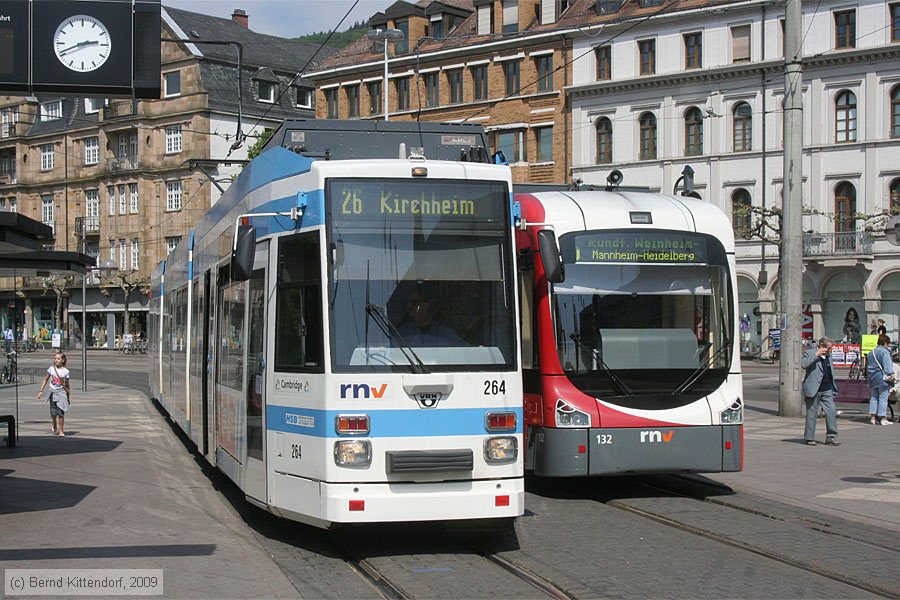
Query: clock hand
x,y
79,45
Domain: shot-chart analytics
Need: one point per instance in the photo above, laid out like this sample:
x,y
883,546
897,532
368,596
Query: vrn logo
x,y
362,390
655,437
428,399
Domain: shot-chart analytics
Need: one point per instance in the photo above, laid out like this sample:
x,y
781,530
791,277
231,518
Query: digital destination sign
x,y
425,200
640,247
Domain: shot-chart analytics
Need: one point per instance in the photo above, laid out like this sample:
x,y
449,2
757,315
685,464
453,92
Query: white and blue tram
x,y
339,337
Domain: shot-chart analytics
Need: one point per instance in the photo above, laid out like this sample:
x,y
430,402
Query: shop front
x,y
105,320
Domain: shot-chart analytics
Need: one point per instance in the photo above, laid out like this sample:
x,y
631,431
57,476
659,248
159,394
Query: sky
x,y
288,18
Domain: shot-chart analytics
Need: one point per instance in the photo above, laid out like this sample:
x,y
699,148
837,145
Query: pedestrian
x,y
880,373
8,338
881,330
873,328
60,394
819,389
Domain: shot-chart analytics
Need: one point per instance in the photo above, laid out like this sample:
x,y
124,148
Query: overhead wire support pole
x,y
791,270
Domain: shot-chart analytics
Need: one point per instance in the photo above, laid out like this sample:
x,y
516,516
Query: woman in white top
x,y
60,393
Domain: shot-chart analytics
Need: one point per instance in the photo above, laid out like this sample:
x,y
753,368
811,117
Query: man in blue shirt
x,y
819,388
421,330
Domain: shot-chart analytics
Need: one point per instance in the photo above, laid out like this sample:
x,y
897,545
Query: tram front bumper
x,y
620,451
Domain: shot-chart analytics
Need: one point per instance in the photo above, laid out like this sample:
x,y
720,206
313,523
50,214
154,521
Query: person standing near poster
x,y
819,389
881,376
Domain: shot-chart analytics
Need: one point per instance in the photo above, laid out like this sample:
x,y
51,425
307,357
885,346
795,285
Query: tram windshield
x,y
644,313
420,275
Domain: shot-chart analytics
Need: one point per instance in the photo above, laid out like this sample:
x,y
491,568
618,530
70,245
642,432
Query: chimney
x,y
240,17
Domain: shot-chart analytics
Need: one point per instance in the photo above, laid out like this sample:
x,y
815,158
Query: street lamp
x,y
386,35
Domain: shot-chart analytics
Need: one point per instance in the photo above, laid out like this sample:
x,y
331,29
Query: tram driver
x,y
420,329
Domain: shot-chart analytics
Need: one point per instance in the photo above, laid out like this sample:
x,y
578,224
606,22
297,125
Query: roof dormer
x,y
552,10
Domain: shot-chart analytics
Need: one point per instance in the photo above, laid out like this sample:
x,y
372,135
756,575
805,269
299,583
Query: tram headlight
x,y
734,413
498,450
353,453
569,416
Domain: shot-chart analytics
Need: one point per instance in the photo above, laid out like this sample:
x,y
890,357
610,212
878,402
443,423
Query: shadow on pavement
x,y
93,552
32,447
22,495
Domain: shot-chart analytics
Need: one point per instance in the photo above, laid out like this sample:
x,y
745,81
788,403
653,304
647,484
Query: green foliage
x,y
257,146
340,39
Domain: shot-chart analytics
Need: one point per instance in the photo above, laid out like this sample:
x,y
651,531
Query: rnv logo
x,y
650,437
362,390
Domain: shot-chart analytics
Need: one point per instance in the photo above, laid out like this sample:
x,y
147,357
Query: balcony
x,y
119,164
87,226
119,110
852,243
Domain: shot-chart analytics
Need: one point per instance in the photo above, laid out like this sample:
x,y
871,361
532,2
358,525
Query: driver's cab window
x,y
298,323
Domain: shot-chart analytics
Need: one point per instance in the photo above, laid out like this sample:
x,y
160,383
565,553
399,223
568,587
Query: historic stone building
x,y
124,180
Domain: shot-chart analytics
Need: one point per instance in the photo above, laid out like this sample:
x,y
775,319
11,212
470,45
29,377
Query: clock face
x,y
82,43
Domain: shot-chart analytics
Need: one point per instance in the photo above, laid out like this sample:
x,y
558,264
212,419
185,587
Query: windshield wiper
x,y
415,363
699,371
576,337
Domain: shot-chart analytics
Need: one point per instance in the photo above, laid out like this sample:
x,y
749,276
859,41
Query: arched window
x,y
845,117
740,213
604,141
844,209
648,136
895,196
693,132
743,120
895,112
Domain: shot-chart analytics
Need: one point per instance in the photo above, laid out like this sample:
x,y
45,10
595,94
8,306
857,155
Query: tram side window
x,y
298,322
255,363
231,336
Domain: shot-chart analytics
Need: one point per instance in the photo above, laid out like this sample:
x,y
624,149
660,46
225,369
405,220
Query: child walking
x,y
58,378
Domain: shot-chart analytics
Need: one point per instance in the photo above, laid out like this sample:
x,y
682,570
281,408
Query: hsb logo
x,y
362,390
650,437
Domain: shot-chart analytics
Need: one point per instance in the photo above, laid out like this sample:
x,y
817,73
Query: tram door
x,y
254,476
209,378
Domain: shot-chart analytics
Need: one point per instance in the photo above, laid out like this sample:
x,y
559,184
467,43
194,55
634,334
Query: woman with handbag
x,y
880,373
58,378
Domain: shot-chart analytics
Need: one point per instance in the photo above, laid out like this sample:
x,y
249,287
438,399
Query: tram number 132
x,y
604,438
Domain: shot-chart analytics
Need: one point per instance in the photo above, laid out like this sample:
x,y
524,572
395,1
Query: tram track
x,y
845,574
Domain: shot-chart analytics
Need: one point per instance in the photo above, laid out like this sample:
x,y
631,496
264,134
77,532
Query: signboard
x,y
869,342
640,247
806,320
775,338
844,355
103,48
55,340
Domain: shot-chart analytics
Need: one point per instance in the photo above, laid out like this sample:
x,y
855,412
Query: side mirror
x,y
553,266
243,254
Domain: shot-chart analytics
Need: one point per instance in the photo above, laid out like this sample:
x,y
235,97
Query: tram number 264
x,y
492,387
295,451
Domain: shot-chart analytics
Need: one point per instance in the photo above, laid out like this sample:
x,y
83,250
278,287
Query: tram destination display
x,y
640,247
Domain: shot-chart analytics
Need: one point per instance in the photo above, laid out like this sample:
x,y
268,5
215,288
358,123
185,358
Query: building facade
x,y
702,85
124,180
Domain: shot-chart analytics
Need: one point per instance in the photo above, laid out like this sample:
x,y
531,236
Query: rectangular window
x,y
647,49
437,29
51,110
402,46
92,207
302,97
47,210
375,101
12,205
511,144
402,86
331,103
545,72
895,22
485,22
845,29
172,84
123,200
693,50
173,139
298,322
92,105
605,7
173,195
432,89
266,91
603,55
123,256
111,194
91,151
510,16
740,44
134,255
133,195
112,250
479,82
544,140
353,101
46,157
172,242
454,81
511,72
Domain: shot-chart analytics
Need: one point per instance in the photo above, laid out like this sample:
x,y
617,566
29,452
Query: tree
x,y
257,146
121,279
58,284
